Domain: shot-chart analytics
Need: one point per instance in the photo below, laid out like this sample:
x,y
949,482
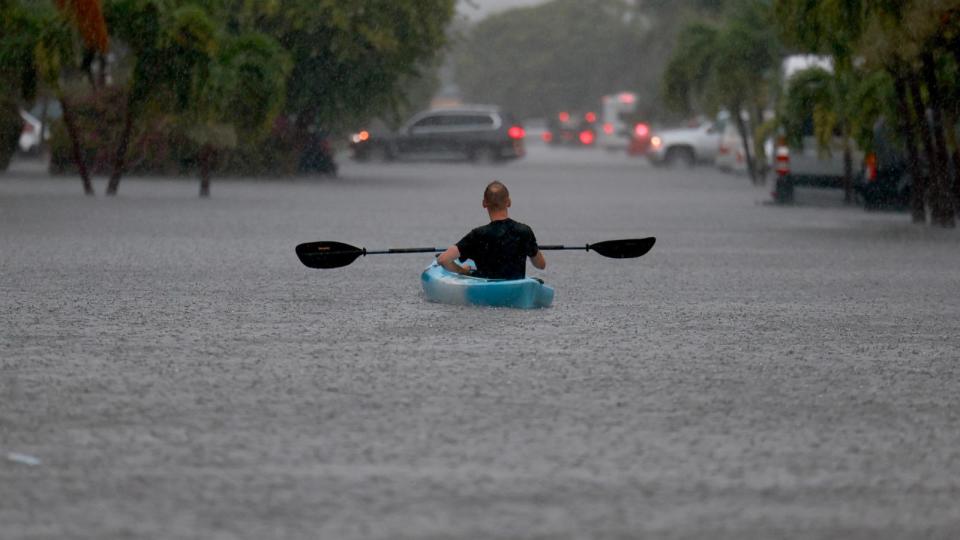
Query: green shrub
x,y
159,146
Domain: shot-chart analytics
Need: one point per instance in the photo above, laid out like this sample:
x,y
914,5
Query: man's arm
x,y
447,258
538,261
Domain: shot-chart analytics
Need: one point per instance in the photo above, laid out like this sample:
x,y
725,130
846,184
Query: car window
x,y
429,121
468,120
717,127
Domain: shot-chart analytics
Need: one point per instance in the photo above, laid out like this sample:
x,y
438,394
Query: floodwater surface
x,y
764,372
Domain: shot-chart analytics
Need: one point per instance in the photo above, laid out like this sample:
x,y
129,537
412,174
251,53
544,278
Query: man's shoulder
x,y
522,227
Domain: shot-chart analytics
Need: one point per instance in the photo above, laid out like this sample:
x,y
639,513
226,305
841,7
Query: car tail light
x,y
783,157
608,128
547,136
360,137
641,130
590,117
516,132
870,167
563,116
627,98
587,137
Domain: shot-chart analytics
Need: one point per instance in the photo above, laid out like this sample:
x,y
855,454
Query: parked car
x,y
478,133
804,163
731,156
574,129
535,130
687,146
30,136
885,180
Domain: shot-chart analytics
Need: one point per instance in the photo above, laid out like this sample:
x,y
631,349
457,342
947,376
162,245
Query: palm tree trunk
x,y
920,113
119,160
44,120
761,159
847,171
71,123
917,212
745,140
206,164
953,155
942,207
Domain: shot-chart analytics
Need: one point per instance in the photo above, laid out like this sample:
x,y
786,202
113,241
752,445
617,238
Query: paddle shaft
x,y
439,250
330,254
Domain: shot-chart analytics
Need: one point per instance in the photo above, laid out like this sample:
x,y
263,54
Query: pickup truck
x,y
686,146
807,164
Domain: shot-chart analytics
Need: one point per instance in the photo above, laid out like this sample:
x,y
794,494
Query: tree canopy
x,y
565,54
227,69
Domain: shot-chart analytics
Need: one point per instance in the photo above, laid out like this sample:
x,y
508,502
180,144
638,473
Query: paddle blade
x,y
624,249
327,254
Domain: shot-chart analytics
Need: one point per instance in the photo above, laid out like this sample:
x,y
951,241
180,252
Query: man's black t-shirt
x,y
500,249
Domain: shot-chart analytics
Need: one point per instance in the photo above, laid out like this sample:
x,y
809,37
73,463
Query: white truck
x,y
805,162
687,146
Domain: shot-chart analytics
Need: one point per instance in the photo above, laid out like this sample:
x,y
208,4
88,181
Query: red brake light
x,y
641,130
590,117
516,132
608,128
586,137
627,98
546,136
563,116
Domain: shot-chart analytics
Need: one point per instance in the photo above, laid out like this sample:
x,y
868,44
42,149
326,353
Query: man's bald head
x,y
496,197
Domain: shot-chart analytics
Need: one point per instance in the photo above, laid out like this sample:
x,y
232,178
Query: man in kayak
x,y
499,248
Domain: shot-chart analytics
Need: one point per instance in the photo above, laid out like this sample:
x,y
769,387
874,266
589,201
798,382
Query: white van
x,y
615,128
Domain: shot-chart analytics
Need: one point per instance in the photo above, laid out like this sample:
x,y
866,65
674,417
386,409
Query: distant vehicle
x,y
808,165
572,129
730,154
886,180
617,112
687,146
535,129
640,140
30,136
478,133
799,159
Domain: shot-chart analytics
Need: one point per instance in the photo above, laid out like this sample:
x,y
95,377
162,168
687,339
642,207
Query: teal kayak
x,y
441,285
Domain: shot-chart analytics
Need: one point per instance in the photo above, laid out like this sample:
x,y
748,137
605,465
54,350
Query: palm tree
x,y
828,27
56,51
910,38
229,85
726,66
139,24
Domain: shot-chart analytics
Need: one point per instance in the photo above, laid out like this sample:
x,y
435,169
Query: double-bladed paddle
x,y
338,254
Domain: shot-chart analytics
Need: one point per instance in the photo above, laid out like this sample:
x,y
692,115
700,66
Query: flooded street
x,y
764,372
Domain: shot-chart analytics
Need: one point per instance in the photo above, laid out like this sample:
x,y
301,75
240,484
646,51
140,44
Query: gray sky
x,y
478,9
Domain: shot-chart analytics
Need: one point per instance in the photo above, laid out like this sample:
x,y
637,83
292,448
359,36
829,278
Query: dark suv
x,y
476,133
886,179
